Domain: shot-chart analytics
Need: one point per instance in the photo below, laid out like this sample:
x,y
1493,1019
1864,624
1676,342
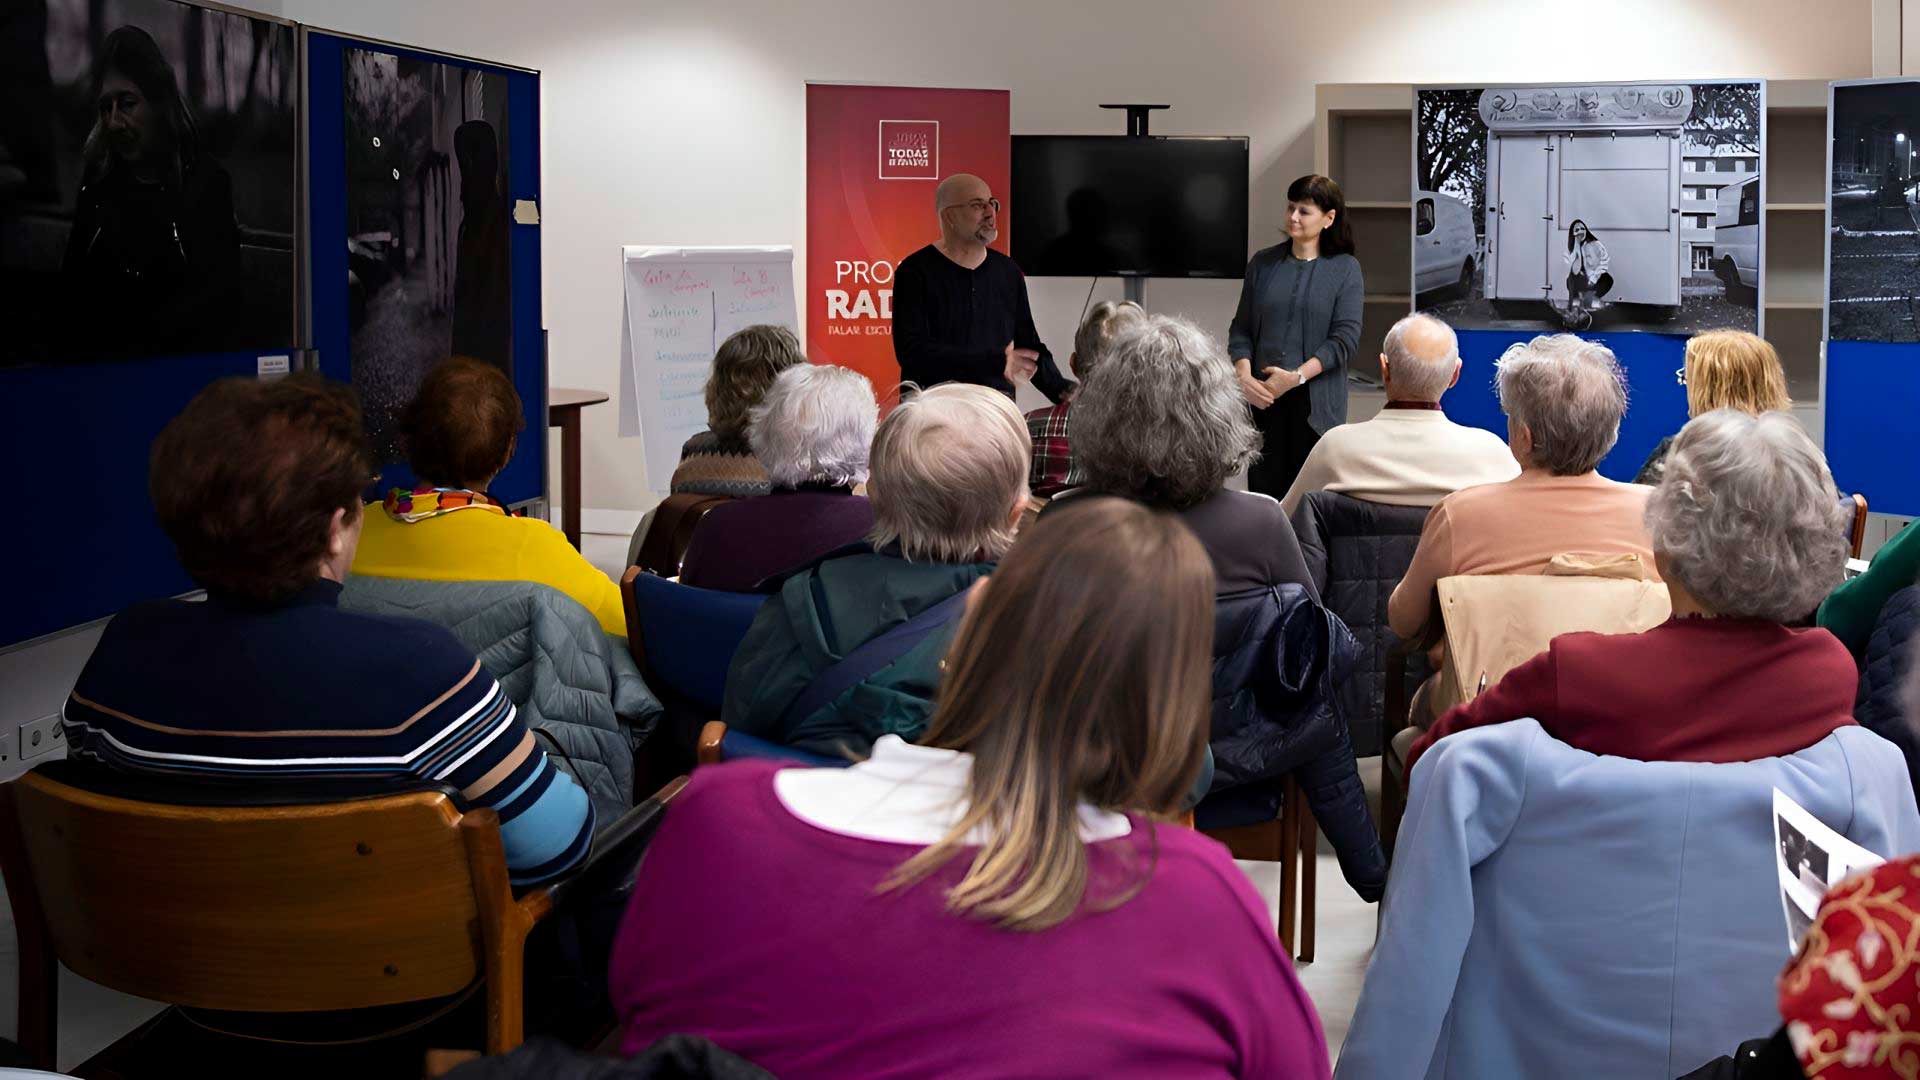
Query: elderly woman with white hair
x,y
1746,531
1564,398
812,433
948,487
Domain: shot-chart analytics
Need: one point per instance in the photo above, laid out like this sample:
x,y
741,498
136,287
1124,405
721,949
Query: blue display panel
x,y
390,152
1873,395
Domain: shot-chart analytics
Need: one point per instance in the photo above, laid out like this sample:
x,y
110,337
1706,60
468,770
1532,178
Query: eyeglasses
x,y
1680,376
978,206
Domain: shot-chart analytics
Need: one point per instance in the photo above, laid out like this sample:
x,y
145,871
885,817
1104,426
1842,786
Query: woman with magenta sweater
x,y
1007,897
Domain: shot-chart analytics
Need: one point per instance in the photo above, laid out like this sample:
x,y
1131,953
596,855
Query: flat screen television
x,y
1117,205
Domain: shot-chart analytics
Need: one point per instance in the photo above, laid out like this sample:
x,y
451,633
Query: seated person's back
x,y
1564,398
1410,454
948,486
720,460
268,681
1730,677
812,433
461,429
949,923
1051,427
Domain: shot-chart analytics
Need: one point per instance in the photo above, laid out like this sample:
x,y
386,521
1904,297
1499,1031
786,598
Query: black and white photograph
x,y
1873,275
1627,206
427,247
1805,860
148,182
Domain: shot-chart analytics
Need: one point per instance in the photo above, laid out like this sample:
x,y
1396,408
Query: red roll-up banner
x,y
874,156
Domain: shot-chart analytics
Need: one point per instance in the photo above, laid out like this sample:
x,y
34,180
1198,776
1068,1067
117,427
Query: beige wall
x,y
682,122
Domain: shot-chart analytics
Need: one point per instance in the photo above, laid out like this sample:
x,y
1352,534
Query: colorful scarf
x,y
427,501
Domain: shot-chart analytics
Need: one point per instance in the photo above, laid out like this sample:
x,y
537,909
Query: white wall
x,y
683,122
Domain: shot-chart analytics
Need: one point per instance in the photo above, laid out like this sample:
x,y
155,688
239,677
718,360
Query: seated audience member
x,y
1850,998
268,682
461,428
1410,454
1020,858
1725,369
1746,536
720,460
1564,398
1853,607
1161,421
812,433
1053,467
948,486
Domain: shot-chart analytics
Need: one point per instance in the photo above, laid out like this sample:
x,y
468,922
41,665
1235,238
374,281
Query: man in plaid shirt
x,y
1053,468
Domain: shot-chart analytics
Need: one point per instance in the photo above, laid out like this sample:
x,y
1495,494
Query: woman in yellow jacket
x,y
460,431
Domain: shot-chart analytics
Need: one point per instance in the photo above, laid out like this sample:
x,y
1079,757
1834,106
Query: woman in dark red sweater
x,y
1747,535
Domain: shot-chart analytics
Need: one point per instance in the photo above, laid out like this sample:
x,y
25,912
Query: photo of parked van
x,y
1622,206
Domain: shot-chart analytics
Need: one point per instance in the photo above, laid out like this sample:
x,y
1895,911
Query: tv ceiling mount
x,y
1137,116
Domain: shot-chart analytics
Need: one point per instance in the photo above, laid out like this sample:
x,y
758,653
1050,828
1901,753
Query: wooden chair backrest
x,y
262,909
672,531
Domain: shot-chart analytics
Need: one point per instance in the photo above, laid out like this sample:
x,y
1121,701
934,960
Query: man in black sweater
x,y
960,311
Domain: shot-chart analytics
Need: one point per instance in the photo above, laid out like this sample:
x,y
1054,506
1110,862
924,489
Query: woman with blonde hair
x,y
1725,369
927,911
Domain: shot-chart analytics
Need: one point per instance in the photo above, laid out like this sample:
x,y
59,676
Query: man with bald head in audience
x,y
960,311
1410,454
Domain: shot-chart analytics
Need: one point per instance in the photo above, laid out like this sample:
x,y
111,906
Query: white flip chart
x,y
680,304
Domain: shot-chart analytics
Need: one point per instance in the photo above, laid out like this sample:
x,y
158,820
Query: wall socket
x,y
41,736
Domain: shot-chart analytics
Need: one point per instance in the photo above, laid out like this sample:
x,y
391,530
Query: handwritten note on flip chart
x,y
681,303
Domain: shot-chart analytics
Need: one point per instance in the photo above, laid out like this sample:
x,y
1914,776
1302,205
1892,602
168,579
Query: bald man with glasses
x,y
960,311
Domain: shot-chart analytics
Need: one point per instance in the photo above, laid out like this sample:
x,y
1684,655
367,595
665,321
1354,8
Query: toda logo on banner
x,y
909,149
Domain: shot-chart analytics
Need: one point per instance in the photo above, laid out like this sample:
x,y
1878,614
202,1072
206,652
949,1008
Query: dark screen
x,y
1086,205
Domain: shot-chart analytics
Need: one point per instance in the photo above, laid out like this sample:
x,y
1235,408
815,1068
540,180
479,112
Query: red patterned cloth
x,y
1851,998
1053,470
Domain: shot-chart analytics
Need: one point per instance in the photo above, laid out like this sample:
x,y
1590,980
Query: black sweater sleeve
x,y
1047,378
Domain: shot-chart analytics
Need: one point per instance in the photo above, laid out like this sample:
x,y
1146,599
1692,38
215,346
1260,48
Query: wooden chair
x,y
1292,841
301,907
1857,535
667,539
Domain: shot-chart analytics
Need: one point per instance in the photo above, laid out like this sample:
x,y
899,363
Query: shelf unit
x,y
1364,139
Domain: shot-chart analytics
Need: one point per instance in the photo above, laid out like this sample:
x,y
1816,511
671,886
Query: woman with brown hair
x,y
461,430
1008,896
719,460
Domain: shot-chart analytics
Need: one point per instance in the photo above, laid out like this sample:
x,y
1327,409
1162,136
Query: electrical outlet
x,y
41,736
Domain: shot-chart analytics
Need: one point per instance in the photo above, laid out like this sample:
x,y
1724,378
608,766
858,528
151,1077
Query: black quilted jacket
x,y
1357,552
1877,706
1278,660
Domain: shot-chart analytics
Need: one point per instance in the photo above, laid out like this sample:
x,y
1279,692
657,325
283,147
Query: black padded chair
x,y
1357,552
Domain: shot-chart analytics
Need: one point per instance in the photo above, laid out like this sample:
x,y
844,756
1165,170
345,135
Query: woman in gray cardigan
x,y
1295,330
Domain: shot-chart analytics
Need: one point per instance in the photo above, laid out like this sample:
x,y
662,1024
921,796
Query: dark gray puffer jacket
x,y
1278,659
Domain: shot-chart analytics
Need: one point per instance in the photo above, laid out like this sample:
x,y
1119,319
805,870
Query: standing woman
x,y
1297,326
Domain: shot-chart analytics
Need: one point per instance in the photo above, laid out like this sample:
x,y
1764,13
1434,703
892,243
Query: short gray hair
x,y
949,466
1161,419
1570,393
1746,517
1420,378
815,426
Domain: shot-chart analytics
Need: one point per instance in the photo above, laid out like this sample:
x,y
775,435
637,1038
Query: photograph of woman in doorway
x,y
1587,279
